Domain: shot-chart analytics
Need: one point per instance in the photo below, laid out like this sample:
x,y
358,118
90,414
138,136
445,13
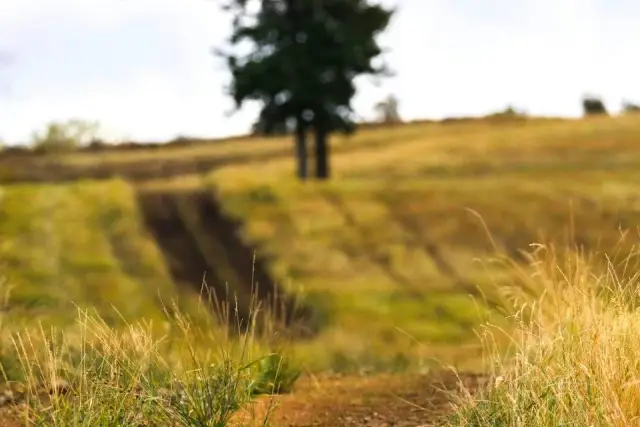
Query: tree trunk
x,y
322,153
301,152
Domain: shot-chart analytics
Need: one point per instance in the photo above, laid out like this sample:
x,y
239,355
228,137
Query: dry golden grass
x,y
475,149
92,374
254,146
573,359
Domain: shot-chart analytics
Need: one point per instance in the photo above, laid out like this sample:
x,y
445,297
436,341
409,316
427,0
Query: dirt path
x,y
376,401
384,400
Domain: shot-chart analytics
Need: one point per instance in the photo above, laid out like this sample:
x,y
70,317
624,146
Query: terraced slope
x,y
79,244
386,252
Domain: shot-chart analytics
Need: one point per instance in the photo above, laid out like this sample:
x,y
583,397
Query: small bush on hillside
x,y
509,113
16,150
65,136
388,111
97,145
593,106
181,140
629,107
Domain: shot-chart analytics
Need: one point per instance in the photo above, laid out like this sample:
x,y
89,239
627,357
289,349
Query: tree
x,y
304,57
593,105
387,110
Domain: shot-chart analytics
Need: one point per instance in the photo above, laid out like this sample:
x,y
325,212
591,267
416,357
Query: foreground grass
x,y
574,358
91,374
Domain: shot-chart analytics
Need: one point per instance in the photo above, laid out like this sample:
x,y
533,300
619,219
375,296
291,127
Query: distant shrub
x,y
509,113
181,140
15,150
97,145
65,136
387,110
593,106
628,107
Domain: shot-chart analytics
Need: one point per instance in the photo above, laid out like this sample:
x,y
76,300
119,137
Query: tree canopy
x,y
593,105
303,58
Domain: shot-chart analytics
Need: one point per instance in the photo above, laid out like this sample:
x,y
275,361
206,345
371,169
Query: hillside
x,y
386,254
405,232
144,161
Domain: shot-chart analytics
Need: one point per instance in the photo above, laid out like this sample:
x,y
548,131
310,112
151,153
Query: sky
x,y
144,68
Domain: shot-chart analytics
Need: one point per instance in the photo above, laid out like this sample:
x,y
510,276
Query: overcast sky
x,y
143,68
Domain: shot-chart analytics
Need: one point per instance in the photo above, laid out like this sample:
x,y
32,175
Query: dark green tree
x,y
304,56
593,106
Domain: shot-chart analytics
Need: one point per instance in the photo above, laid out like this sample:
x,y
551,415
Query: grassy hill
x,y
387,252
394,245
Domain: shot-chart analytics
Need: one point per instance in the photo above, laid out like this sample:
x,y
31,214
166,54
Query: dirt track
x,y
376,401
351,401
200,242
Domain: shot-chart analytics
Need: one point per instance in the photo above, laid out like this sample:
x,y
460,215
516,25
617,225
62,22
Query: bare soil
x,y
383,400
375,401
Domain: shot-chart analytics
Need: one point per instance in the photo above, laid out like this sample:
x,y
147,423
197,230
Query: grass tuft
x,y
275,374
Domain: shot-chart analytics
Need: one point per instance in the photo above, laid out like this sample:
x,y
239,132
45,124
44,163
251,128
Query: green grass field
x,y
80,243
394,253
